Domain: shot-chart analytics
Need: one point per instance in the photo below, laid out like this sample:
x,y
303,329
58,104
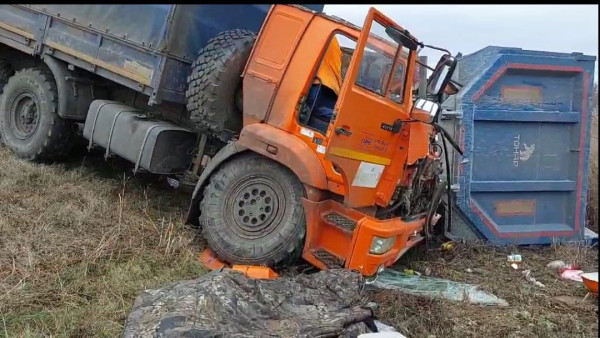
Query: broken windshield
x,y
377,65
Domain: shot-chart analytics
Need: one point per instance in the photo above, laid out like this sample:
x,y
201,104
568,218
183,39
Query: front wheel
x,y
252,212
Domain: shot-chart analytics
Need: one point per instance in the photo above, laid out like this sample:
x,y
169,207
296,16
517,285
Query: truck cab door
x,y
365,128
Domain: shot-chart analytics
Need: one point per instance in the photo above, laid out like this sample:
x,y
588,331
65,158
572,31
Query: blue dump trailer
x,y
148,48
523,120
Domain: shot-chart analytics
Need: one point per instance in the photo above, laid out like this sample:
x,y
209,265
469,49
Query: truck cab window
x,y
327,83
377,65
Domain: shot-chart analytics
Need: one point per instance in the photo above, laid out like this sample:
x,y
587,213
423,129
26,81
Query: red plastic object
x,y
590,280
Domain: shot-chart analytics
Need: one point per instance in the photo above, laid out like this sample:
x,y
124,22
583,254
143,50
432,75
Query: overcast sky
x,y
468,28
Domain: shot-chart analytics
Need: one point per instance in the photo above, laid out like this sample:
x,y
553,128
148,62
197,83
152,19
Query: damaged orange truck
x,y
296,152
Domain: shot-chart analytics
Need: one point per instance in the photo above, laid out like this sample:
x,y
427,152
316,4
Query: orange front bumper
x,y
352,246
407,235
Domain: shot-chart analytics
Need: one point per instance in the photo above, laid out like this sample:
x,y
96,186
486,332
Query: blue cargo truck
x,y
523,119
134,62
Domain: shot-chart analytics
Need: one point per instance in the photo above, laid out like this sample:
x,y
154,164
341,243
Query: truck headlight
x,y
382,245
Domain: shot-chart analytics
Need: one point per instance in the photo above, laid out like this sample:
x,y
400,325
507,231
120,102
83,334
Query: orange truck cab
x,y
355,189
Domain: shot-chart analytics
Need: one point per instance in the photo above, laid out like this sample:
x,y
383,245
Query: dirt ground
x,y
532,312
79,241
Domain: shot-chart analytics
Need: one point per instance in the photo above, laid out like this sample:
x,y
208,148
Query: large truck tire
x,y
29,123
214,86
6,71
252,212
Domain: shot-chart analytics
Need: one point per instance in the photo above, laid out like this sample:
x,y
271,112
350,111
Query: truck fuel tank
x,y
159,147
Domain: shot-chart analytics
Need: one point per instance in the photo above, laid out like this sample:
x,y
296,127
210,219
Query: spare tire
x,y
214,86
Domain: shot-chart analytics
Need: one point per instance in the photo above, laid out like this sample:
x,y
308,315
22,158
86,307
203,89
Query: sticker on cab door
x,y
368,175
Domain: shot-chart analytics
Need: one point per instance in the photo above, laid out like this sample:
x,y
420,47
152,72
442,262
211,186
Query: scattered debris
x,y
173,182
384,334
469,270
448,246
556,265
381,327
384,331
571,274
566,271
427,271
435,287
515,260
409,272
527,274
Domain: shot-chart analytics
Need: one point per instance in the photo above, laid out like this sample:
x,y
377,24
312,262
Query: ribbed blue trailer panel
x,y
148,48
525,131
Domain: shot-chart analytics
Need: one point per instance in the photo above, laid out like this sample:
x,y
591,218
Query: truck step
x,y
340,221
330,260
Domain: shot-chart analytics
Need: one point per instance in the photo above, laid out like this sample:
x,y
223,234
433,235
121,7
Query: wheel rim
x,y
24,116
253,209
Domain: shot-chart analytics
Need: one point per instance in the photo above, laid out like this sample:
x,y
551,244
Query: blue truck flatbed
x,y
148,48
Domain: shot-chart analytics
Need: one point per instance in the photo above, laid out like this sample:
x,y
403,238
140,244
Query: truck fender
x,y
287,149
74,94
221,156
271,142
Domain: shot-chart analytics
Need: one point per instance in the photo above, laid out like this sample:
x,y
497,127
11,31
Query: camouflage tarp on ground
x,y
227,304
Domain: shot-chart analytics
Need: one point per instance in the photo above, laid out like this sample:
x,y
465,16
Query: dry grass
x,y
533,311
79,241
77,244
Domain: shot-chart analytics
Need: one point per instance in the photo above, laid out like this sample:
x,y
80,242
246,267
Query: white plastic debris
x,y
432,287
527,274
384,334
173,182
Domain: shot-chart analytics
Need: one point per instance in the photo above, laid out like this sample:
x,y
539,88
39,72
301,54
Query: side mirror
x,y
424,110
441,75
401,38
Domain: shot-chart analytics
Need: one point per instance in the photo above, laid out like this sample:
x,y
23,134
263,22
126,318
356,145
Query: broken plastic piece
x,y
435,287
210,260
571,274
384,334
173,182
514,259
256,272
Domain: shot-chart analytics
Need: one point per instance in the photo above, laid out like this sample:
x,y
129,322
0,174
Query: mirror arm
x,y
437,48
